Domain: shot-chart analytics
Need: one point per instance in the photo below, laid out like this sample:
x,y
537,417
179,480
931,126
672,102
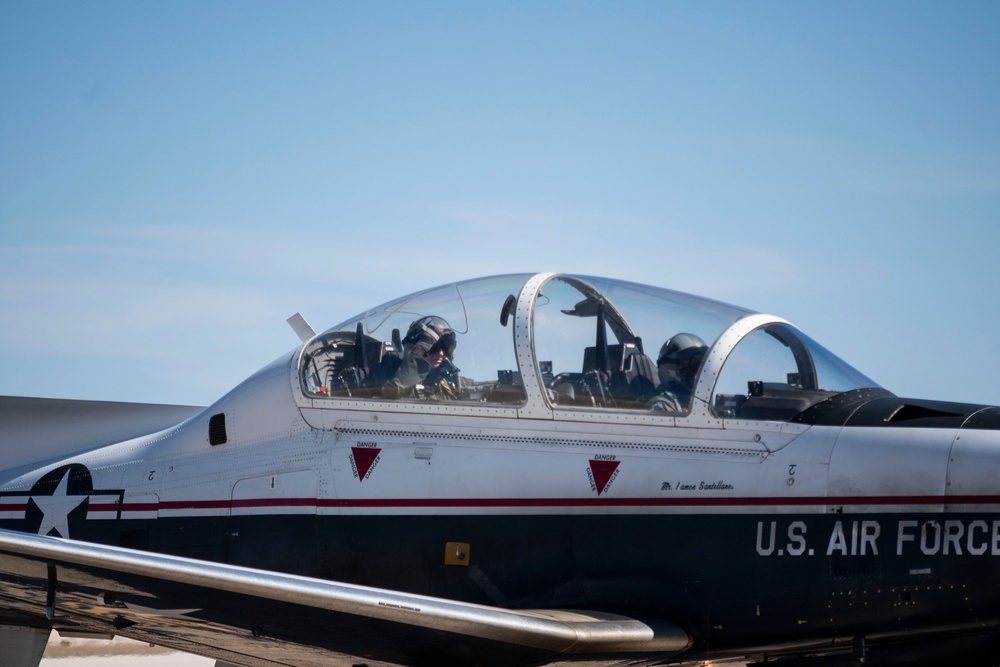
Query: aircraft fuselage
x,y
797,533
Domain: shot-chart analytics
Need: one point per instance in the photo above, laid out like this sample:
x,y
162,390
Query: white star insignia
x,y
56,509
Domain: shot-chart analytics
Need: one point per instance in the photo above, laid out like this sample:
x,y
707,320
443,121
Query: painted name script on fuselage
x,y
697,486
870,537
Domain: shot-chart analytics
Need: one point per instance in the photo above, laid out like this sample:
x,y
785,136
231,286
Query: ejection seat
x,y
624,380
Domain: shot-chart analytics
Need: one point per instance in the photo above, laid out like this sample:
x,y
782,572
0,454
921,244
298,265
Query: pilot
x,y
678,362
428,349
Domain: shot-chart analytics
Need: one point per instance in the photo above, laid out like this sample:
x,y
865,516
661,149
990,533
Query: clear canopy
x,y
592,344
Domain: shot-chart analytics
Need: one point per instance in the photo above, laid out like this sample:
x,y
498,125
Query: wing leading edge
x,y
239,606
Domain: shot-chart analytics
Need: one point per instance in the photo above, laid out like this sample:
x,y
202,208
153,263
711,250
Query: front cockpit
x,y
559,345
360,358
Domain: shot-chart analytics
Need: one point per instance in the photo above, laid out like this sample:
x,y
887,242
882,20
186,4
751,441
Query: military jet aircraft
x,y
510,471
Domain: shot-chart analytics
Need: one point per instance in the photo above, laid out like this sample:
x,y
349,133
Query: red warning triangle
x,y
364,457
602,471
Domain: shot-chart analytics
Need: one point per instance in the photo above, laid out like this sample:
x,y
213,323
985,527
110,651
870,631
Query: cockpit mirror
x,y
508,309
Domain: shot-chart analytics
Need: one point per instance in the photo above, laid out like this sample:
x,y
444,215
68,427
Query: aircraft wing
x,y
254,617
33,430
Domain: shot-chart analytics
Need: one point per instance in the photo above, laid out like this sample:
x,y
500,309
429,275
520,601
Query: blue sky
x,y
178,178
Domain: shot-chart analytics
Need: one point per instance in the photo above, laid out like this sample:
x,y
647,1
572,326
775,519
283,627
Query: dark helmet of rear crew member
x,y
679,359
431,333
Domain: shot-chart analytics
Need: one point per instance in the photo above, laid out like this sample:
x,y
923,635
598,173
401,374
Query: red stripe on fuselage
x,y
557,502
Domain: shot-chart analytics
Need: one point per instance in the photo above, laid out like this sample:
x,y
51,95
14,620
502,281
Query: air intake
x,y
908,412
217,429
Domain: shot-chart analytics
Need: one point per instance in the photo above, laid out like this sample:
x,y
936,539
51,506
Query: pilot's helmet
x,y
680,357
431,333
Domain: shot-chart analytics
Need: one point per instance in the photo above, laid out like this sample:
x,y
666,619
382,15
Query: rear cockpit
x,y
566,346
